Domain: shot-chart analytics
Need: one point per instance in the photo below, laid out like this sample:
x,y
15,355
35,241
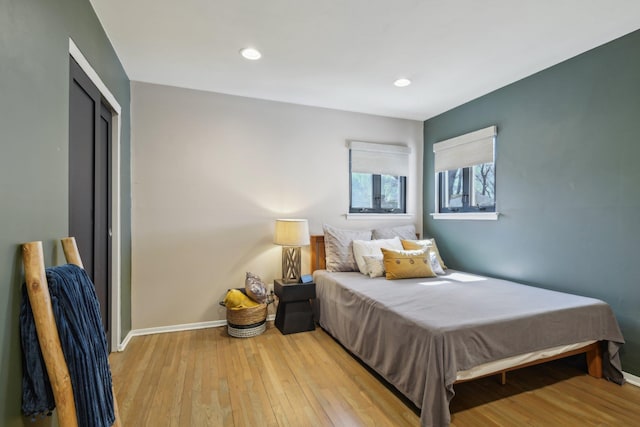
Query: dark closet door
x,y
90,184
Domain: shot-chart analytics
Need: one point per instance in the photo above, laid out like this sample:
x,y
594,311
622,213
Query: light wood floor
x,y
205,378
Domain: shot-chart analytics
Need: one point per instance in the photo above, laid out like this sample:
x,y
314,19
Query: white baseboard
x,y
176,328
124,342
631,379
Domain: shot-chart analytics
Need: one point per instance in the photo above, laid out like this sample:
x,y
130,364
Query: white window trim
x,y
476,216
376,216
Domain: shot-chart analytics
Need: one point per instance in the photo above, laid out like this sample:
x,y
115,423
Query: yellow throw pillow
x,y
422,244
406,264
236,300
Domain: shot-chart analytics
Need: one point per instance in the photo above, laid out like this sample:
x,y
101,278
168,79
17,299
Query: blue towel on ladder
x,y
84,345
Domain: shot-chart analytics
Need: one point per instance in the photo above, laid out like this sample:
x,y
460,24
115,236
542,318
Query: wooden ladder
x,y
47,331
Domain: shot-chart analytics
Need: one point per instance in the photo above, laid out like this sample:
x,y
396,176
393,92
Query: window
x,y
465,172
378,177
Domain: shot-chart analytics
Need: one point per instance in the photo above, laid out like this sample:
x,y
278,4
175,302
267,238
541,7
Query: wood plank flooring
x,y
206,378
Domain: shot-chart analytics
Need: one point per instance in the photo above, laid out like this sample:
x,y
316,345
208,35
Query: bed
x,y
424,335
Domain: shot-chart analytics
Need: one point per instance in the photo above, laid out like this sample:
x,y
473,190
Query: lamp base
x,y
291,264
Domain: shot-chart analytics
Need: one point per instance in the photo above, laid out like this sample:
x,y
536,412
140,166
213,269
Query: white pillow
x,y
372,247
433,260
375,265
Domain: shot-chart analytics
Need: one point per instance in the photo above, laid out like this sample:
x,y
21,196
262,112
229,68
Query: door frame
x,y
116,335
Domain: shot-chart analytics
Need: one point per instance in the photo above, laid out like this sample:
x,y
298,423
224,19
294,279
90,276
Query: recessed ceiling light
x,y
250,53
402,82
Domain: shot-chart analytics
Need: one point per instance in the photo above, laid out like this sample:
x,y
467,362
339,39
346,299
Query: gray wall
x,y
568,183
34,93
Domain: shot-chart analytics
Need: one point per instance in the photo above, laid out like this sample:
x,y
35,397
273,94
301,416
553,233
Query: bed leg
x,y
594,361
503,377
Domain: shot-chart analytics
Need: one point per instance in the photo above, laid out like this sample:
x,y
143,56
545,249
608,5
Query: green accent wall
x,y
34,117
567,183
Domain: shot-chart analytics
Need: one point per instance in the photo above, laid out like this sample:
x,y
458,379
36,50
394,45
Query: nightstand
x,y
294,309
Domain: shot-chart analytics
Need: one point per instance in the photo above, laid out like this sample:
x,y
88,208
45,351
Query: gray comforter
x,y
418,333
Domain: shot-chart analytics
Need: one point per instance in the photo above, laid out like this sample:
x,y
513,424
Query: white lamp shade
x,y
291,232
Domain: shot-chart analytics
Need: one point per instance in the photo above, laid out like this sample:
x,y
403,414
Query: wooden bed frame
x,y
592,351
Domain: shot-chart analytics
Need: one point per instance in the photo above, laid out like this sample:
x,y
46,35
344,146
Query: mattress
x,y
518,360
419,334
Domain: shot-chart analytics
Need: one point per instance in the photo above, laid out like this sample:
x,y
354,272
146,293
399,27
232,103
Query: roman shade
x,y
379,159
466,150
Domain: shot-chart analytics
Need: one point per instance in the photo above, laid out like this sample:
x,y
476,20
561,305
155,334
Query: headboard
x,y
317,253
318,261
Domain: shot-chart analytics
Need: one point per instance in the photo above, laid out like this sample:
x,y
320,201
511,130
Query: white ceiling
x,y
345,54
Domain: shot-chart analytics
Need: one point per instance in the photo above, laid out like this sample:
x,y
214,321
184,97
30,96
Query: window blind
x,y
465,150
379,159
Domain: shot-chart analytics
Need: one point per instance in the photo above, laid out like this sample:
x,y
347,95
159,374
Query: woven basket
x,y
247,332
247,322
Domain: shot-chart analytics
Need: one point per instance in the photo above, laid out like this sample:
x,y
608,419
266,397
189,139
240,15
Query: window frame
x,y
376,195
467,193
378,160
467,211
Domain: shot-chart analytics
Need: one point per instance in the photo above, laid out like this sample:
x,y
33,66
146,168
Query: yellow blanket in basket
x,y
236,300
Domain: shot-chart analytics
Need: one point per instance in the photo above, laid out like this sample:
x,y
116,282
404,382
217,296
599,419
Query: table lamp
x,y
291,234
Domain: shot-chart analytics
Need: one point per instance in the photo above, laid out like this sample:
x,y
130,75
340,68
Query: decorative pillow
x,y
236,300
402,231
255,288
375,265
372,247
433,261
406,264
419,244
338,247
